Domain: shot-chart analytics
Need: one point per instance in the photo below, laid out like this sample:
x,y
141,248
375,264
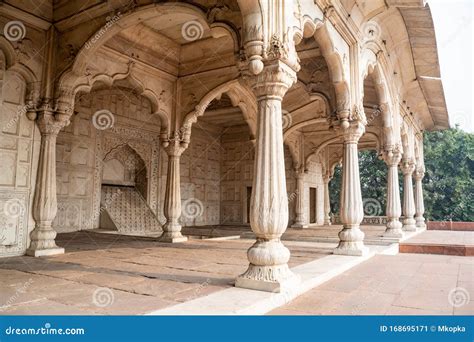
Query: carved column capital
x,y
299,174
348,117
273,82
174,145
353,132
407,167
64,104
50,122
392,157
419,174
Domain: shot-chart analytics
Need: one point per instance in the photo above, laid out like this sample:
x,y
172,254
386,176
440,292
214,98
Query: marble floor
x,y
114,274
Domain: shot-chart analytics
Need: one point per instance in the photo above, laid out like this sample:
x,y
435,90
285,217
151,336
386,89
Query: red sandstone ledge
x,y
460,250
450,225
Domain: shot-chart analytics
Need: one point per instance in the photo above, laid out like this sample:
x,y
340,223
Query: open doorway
x,y
312,204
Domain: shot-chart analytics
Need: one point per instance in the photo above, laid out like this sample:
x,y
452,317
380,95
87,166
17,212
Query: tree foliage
x,y
449,179
448,184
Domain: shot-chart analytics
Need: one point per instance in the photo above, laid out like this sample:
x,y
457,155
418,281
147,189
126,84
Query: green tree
x,y
449,179
373,176
448,184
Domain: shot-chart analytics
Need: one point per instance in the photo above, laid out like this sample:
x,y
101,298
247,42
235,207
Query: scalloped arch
x,y
319,30
239,95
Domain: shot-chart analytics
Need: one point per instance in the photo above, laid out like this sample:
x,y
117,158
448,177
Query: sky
x,y
454,37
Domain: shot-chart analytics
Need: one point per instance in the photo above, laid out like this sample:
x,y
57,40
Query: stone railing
x,y
368,220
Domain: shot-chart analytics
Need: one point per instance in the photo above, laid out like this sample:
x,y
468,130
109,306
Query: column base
x,y
393,233
409,228
299,225
44,252
409,225
420,223
351,248
268,279
351,242
172,237
394,229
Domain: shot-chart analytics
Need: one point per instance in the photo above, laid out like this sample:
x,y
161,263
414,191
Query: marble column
x,y
393,210
409,223
45,204
327,201
268,257
300,221
352,209
419,202
172,201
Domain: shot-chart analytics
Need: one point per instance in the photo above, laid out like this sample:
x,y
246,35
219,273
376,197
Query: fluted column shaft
x,y
268,257
393,209
45,204
352,209
327,201
172,201
300,221
409,223
419,202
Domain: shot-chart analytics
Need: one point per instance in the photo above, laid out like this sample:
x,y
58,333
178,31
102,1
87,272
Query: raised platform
x,y
450,225
440,242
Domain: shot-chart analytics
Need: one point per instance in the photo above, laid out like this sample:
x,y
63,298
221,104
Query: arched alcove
x,y
123,166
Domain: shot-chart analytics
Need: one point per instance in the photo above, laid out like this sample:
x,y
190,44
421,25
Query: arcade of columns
x,y
268,68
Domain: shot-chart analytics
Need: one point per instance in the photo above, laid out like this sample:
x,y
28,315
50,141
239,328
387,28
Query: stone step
x,y
450,225
431,248
440,242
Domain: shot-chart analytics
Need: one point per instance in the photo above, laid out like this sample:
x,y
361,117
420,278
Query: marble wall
x,y
19,147
90,141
